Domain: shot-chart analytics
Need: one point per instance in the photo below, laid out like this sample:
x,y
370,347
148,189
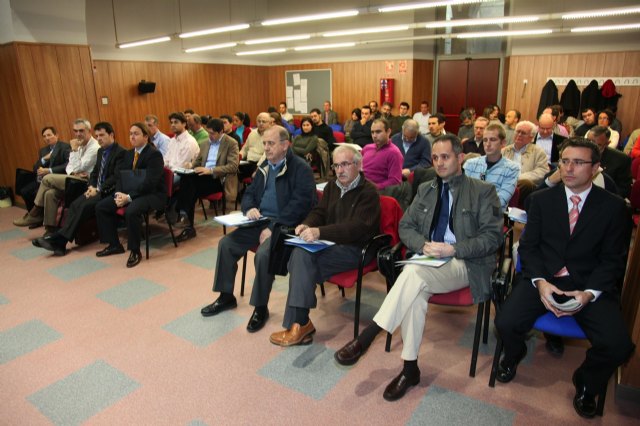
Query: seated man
x,y
349,215
227,123
361,132
436,127
613,162
102,184
321,129
549,141
140,197
84,149
217,159
466,125
183,147
53,158
474,145
493,167
282,190
452,199
382,160
415,149
158,139
253,148
575,247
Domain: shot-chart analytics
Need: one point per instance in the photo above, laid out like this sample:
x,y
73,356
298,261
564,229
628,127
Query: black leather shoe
x,y
258,319
554,345
399,386
134,258
507,370
186,234
54,243
350,353
218,306
109,250
584,402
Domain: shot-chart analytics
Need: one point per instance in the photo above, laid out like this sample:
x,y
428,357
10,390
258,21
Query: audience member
x,y
329,116
613,162
547,140
398,120
306,143
375,113
475,145
361,131
382,160
158,139
436,127
466,127
356,116
414,147
321,129
284,112
589,121
422,117
558,129
511,120
228,129
183,148
241,130
605,118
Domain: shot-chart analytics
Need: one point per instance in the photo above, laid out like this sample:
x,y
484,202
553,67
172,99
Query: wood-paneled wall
x,y
356,83
206,88
42,84
537,68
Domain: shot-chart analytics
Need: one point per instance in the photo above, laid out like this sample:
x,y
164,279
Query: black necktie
x,y
443,217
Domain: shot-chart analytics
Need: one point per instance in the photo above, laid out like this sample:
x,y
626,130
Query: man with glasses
x,y
475,145
548,140
532,159
348,215
575,248
493,167
283,191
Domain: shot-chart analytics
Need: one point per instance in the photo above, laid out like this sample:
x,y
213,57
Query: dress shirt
x,y
84,158
345,189
546,144
212,158
423,121
183,148
161,141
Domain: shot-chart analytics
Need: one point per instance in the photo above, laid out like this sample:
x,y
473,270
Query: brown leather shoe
x,y
296,335
399,386
350,353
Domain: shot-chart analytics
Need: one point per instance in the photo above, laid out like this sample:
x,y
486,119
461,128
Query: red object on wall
x,y
386,90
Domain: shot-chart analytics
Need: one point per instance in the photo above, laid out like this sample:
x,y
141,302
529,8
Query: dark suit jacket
x,y
595,254
151,160
58,160
361,133
113,164
618,166
418,154
556,141
333,117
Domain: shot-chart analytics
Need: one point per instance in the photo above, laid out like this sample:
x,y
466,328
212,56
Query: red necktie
x,y
573,218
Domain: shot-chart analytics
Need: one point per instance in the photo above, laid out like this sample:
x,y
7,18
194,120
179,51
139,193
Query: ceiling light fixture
x,y
482,21
601,13
215,31
144,42
413,6
504,33
261,52
606,28
366,31
210,47
323,46
305,18
277,39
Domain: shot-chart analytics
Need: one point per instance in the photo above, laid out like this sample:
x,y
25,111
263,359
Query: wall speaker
x,y
146,87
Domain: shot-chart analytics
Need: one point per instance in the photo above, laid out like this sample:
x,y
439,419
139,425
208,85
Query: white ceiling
x,y
103,23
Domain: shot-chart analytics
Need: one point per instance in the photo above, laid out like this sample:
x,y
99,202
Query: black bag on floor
x,y
280,253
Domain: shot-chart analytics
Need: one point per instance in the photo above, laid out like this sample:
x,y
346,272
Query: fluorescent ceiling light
x,y
483,21
602,12
210,47
261,52
305,18
324,46
413,6
215,30
606,28
366,31
504,33
144,42
277,39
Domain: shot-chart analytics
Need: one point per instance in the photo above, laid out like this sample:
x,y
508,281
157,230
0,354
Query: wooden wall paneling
x,y
422,79
88,82
75,96
32,79
505,83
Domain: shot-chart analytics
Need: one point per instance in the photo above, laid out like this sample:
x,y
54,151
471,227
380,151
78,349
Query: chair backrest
x,y
390,215
339,136
336,127
634,198
635,168
515,198
296,122
168,181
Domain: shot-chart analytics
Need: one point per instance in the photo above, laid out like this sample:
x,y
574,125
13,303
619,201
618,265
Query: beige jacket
x,y
533,162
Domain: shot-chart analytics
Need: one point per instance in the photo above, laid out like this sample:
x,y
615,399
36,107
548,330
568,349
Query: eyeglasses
x,y
577,163
344,165
522,132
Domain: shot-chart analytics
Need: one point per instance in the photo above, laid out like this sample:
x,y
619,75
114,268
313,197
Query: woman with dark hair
x,y
305,143
356,115
605,118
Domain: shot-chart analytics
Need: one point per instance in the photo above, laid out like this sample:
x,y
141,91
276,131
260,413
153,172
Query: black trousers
x,y
601,321
194,186
79,212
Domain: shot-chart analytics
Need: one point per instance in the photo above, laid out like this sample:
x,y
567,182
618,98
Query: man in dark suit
x,y
52,158
217,159
102,184
361,132
613,162
575,247
140,197
415,149
329,116
547,140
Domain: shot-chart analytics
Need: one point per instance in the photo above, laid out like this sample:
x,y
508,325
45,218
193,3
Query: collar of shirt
x,y
345,189
548,138
276,165
139,150
182,136
583,196
215,142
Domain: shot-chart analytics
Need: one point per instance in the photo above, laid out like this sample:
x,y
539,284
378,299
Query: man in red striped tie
x,y
575,247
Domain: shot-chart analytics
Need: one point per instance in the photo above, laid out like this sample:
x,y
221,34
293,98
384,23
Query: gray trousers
x,y
306,270
230,249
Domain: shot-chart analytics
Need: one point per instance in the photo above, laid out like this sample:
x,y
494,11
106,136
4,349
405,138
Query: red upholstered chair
x,y
634,198
339,136
390,215
635,168
168,180
296,122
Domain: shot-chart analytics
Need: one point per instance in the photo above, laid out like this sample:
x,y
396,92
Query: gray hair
x,y
410,124
86,123
533,127
357,156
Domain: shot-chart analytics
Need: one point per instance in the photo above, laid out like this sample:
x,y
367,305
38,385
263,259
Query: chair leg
x,y
244,273
356,320
322,289
173,237
485,329
224,211
494,364
476,340
203,209
387,346
146,232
